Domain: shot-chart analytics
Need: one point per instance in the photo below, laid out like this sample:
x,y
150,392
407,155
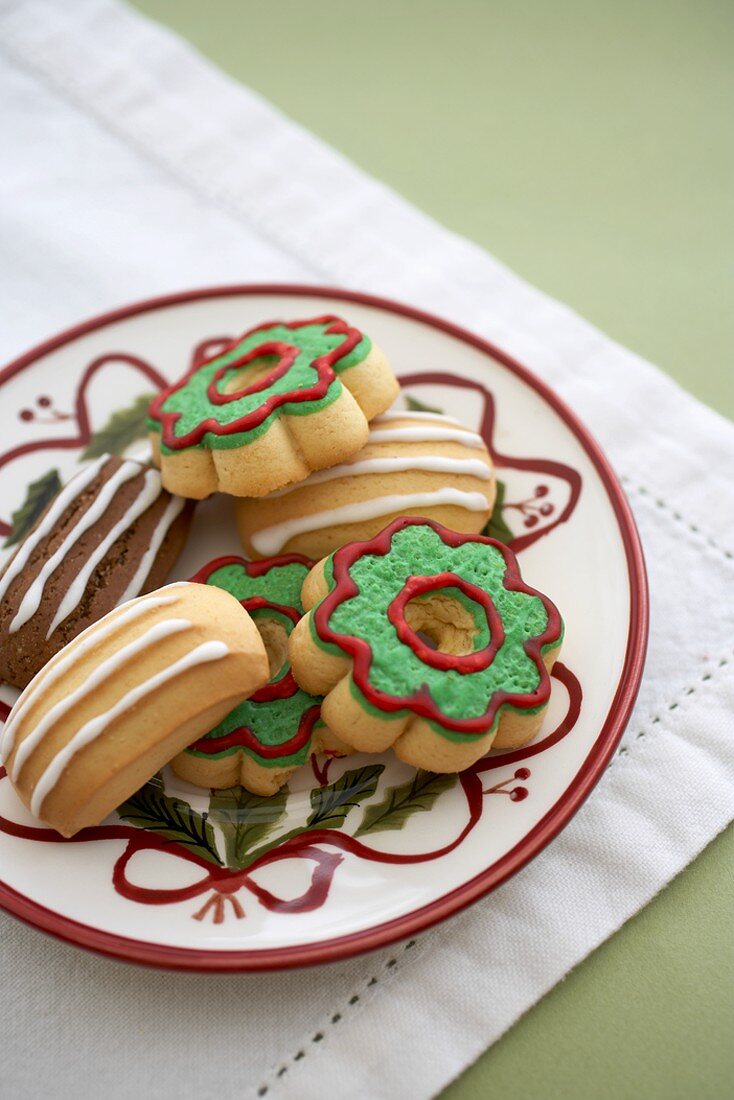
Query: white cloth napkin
x,y
131,167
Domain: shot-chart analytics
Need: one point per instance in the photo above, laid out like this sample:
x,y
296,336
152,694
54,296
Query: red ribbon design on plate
x,y
311,845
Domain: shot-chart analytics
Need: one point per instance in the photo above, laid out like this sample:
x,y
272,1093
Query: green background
x,y
589,146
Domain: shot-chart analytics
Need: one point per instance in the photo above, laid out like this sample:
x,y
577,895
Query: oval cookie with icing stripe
x,y
124,697
429,641
263,740
414,463
110,534
281,401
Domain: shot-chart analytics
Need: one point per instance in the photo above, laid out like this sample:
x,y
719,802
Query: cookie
x,y
281,401
265,739
414,464
119,701
110,534
428,641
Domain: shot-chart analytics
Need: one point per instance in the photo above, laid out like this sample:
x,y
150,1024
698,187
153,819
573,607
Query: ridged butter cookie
x,y
281,401
262,741
414,464
125,696
429,641
110,534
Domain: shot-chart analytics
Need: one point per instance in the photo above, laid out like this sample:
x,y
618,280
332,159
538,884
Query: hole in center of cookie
x,y
257,375
448,622
275,638
444,623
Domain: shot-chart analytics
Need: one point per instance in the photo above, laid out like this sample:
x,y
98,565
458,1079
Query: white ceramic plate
x,y
325,894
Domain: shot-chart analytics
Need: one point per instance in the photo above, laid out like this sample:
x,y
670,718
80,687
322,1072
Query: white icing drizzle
x,y
409,414
469,467
426,435
164,525
207,651
151,489
96,679
32,598
68,494
272,539
88,640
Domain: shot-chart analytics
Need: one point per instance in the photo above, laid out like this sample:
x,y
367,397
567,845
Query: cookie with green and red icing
x,y
428,641
261,742
281,401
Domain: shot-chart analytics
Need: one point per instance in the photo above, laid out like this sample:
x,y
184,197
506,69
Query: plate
x,y
358,852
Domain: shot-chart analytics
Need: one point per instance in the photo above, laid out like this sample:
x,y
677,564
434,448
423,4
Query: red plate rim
x,y
340,947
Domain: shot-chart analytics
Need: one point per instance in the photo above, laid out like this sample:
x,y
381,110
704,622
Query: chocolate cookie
x,y
111,534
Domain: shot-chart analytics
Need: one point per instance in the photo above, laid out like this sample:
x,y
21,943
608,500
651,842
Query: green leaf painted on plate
x,y
330,805
496,528
123,428
414,405
37,495
151,808
414,796
245,819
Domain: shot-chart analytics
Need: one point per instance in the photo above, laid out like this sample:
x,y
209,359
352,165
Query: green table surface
x,y
590,147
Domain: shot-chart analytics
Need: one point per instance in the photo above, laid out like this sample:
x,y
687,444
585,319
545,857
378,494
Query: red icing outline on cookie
x,y
252,568
469,662
421,703
287,357
243,738
323,365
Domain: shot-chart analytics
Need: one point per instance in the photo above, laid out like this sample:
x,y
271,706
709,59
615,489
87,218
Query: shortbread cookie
x,y
119,701
428,641
281,401
110,534
265,739
414,464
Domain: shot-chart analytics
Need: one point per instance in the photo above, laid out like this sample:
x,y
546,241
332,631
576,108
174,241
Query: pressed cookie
x,y
414,463
429,641
125,696
263,740
284,399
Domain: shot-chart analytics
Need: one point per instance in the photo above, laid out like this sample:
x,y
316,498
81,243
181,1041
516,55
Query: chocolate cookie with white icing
x,y
109,535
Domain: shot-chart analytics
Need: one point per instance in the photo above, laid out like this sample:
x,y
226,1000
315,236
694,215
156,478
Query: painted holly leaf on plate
x,y
414,405
497,528
37,496
172,818
124,427
416,795
245,819
330,805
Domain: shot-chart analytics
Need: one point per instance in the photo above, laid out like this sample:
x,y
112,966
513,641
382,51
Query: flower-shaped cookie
x,y
428,641
281,401
260,744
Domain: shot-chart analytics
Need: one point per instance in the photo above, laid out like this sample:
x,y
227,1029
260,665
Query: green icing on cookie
x,y
395,669
180,413
272,724
281,584
273,721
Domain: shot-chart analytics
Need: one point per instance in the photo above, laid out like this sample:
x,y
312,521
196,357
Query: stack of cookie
x,y
413,631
